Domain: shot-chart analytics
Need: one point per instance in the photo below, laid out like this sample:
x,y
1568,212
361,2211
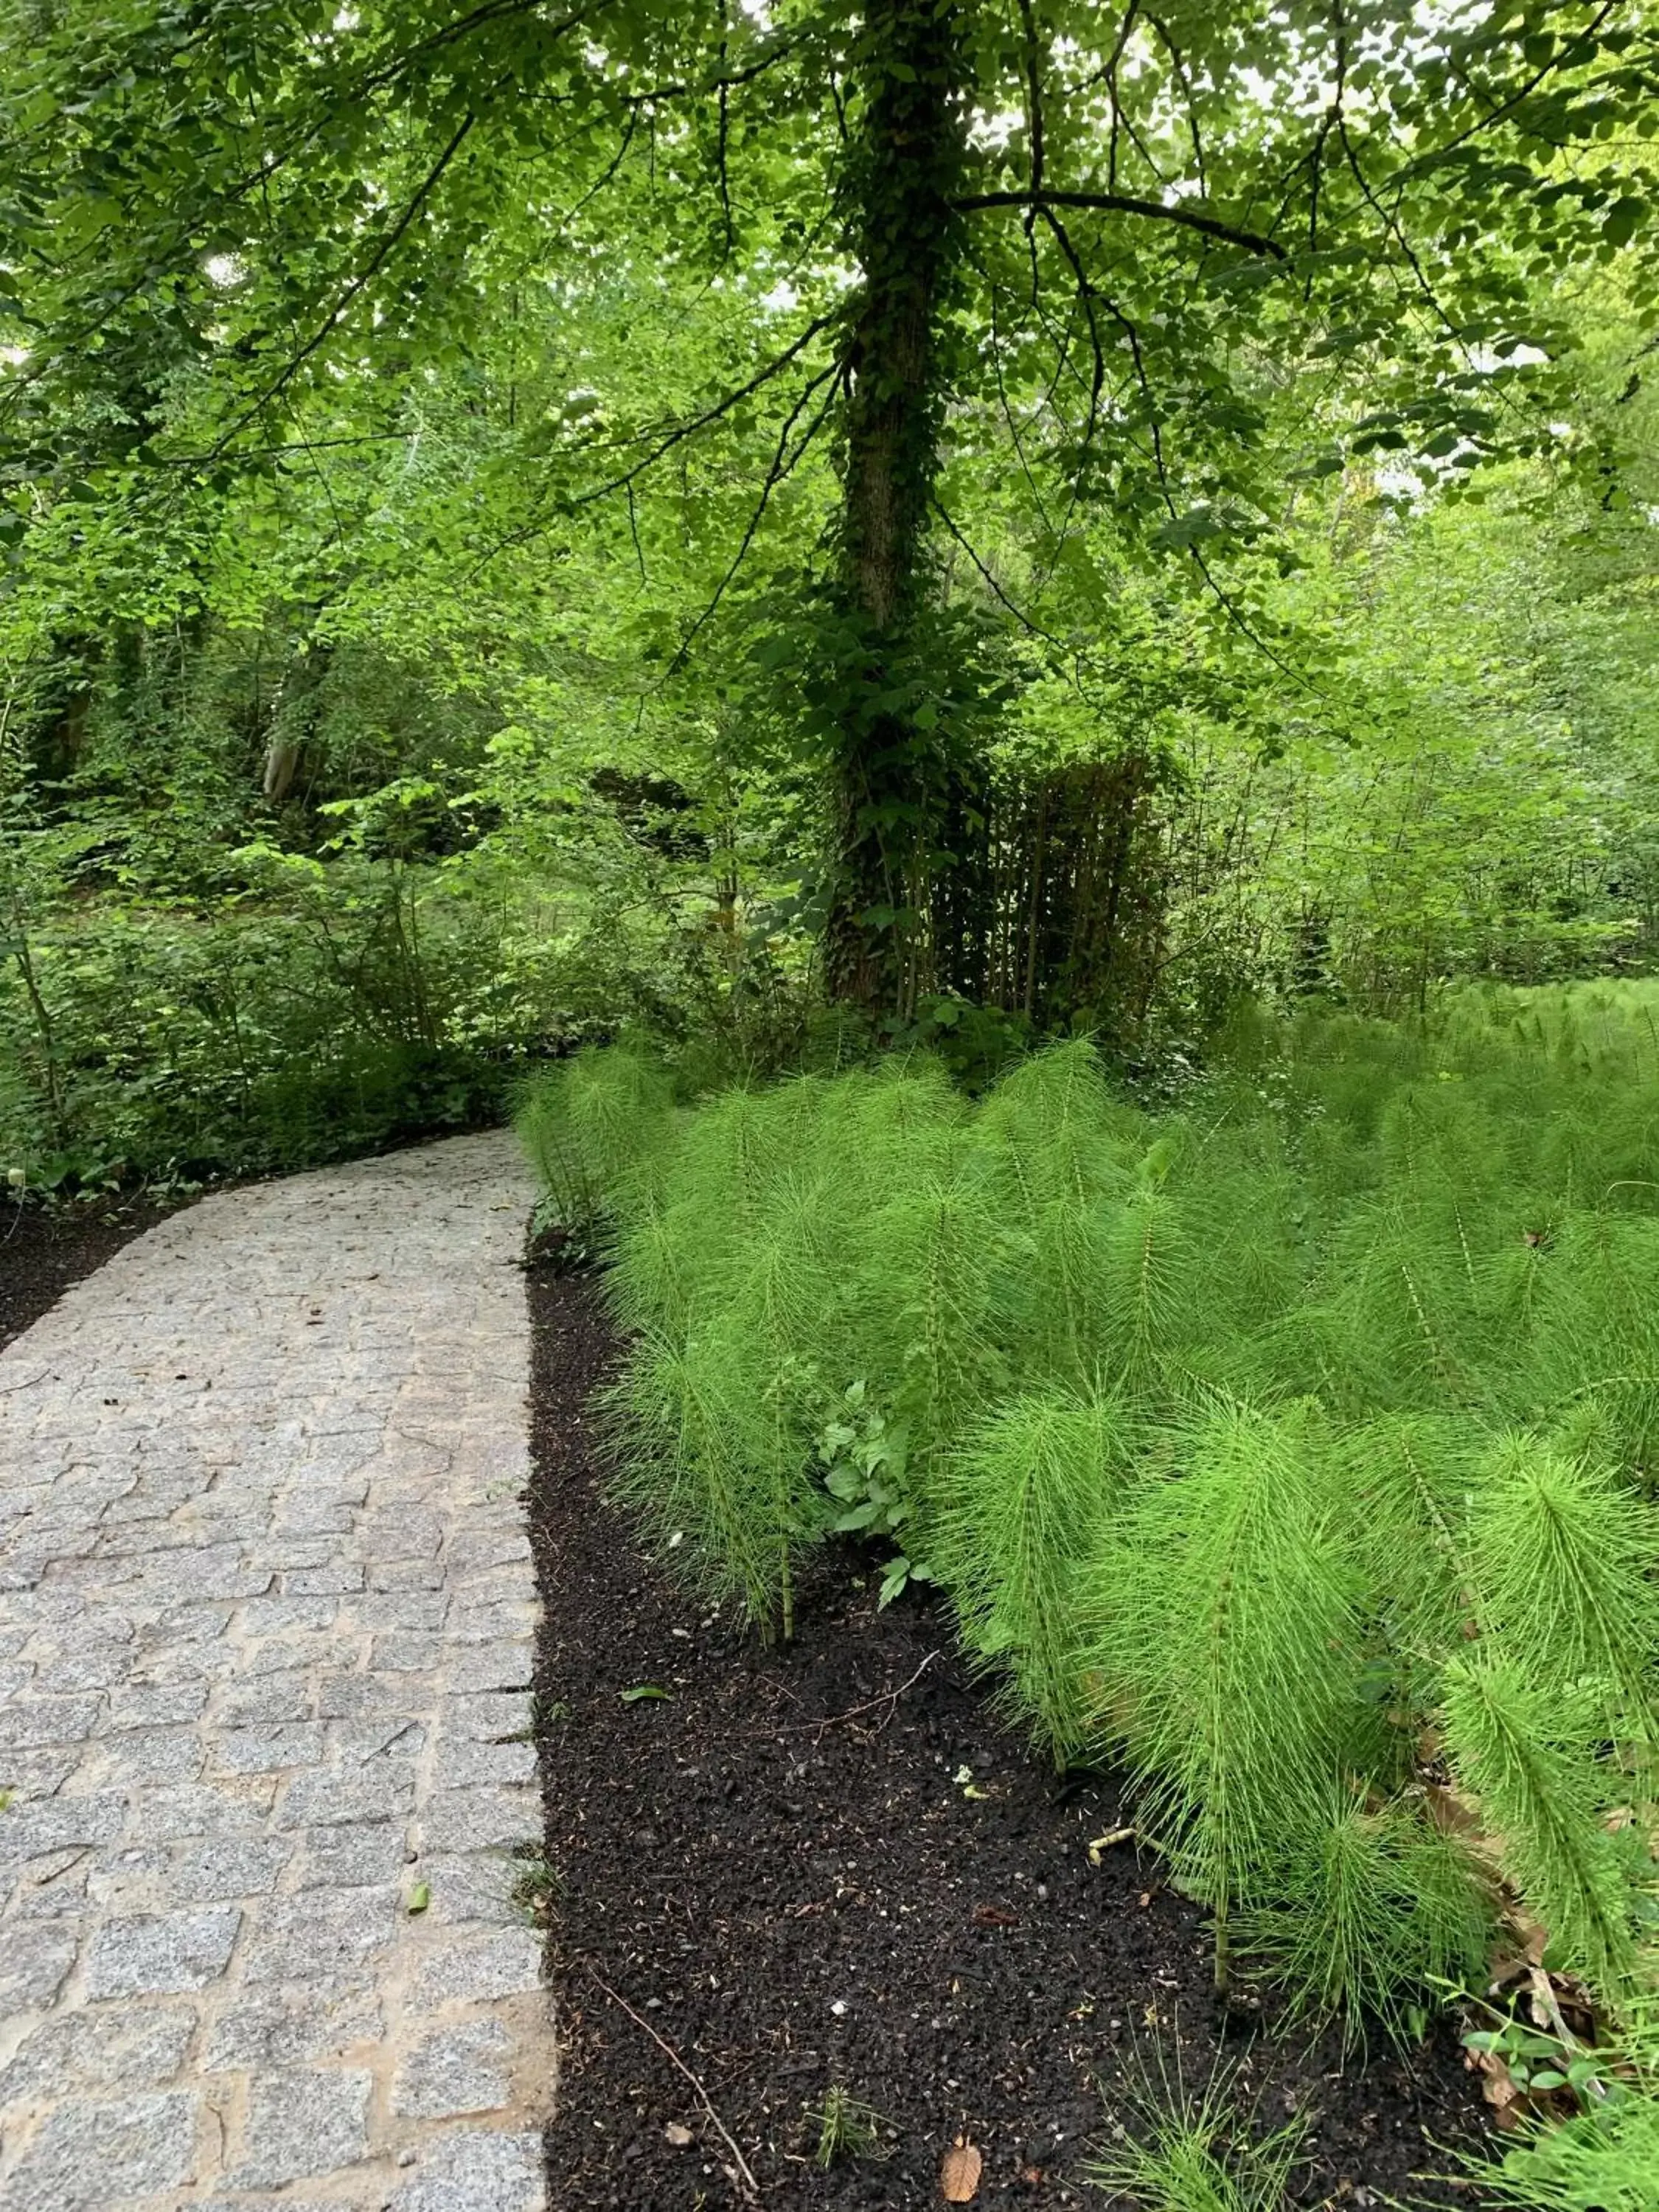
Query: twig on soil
x,y
888,1697
751,2186
1105,1842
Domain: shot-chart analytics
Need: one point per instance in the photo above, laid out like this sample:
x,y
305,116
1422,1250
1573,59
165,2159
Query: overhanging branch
x,y
1125,203
387,245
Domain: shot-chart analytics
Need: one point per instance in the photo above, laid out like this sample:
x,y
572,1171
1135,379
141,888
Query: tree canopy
x,y
951,444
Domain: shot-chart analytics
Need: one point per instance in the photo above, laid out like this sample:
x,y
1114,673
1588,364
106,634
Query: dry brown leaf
x,y
992,1916
1452,1810
678,2136
1498,2085
959,2172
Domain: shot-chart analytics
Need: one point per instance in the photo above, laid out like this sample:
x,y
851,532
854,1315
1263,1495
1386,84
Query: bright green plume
x,y
1025,1506
1227,1654
1527,1755
1373,1907
1606,2161
594,1126
1562,1557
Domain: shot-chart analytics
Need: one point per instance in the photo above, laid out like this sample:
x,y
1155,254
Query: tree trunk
x,y
904,169
294,714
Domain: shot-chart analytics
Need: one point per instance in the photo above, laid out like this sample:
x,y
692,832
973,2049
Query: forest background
x,y
967,521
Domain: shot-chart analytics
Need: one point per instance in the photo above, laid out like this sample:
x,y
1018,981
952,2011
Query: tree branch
x,y
1568,48
1034,98
664,444
724,406
1025,620
783,464
376,261
1127,203
1185,82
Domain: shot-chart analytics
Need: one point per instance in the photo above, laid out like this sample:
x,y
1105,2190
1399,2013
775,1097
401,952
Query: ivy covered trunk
x,y
889,792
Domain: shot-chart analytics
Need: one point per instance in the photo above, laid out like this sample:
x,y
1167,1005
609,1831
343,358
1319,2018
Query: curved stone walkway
x,y
266,1611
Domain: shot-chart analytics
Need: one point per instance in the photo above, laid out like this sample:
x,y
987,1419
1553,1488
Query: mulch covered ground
x,y
44,1250
830,1865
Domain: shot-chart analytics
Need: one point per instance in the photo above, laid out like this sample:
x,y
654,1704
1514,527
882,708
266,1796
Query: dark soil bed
x,y
43,1250
777,1870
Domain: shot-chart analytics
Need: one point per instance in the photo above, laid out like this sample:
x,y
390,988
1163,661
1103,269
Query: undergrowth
x,y
1298,1447
1173,2149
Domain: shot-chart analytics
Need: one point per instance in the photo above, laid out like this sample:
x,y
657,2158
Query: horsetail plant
x,y
1299,1448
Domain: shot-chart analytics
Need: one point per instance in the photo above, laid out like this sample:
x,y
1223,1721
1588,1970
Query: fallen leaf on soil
x,y
677,2135
1499,2088
644,1689
992,1916
1509,1965
420,1897
959,2172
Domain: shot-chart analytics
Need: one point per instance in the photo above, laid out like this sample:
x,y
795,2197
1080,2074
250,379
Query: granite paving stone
x,y
471,2171
267,1611
156,1953
33,1962
455,2071
303,2124
120,2048
88,2154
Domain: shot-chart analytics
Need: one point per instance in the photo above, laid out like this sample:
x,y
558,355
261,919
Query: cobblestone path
x,y
266,1607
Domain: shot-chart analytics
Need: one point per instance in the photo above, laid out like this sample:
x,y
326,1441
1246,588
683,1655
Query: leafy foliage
x,y
1604,2162
523,527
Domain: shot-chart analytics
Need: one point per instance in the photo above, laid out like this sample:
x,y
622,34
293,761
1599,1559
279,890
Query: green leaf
x,y
1623,220
859,1517
893,1581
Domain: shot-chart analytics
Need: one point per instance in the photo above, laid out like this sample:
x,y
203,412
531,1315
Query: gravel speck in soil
x,y
775,1869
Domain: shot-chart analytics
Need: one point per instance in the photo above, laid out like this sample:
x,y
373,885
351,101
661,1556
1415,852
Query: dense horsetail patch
x,y
1296,1446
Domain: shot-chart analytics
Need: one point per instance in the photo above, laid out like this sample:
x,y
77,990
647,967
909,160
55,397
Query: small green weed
x,y
1535,2063
846,2129
538,1887
864,1473
1175,2151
